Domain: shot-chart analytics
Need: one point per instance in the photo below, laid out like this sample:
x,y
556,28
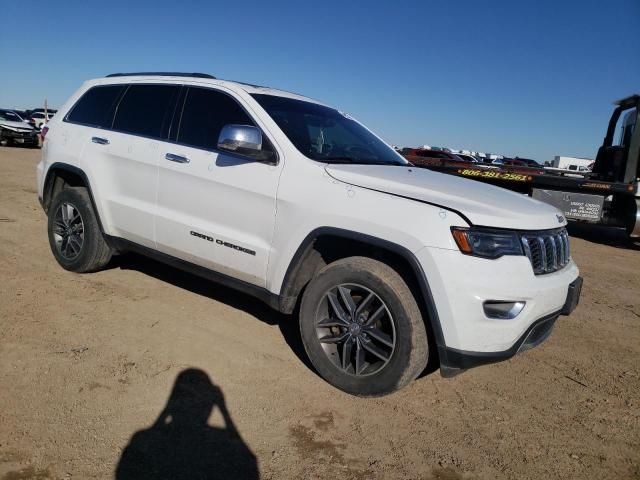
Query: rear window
x,y
146,110
95,108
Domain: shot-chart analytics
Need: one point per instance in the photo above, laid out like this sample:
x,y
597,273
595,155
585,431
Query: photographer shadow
x,y
181,444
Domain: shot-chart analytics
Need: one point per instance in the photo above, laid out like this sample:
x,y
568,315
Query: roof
x,y
202,78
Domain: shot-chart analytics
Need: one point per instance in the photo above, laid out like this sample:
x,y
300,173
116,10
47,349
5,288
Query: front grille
x,y
19,134
548,251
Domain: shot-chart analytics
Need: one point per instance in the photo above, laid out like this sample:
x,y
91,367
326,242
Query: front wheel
x,y
362,328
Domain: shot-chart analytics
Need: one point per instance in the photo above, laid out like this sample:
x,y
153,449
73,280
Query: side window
x,y
95,108
626,126
146,110
204,114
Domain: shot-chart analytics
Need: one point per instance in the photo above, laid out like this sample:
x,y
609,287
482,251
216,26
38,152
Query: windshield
x,y
10,116
325,134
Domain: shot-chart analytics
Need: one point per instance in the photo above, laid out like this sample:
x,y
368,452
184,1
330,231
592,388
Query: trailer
x,y
606,196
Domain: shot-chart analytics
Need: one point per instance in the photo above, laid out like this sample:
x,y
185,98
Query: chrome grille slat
x,y
561,252
547,251
527,249
554,252
543,253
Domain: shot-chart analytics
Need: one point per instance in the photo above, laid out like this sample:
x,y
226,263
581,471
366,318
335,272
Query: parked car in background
x,y
529,162
14,130
422,155
39,118
20,113
480,160
51,111
514,162
467,158
13,115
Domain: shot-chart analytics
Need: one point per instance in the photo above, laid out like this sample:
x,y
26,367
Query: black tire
x,y
633,224
94,252
410,352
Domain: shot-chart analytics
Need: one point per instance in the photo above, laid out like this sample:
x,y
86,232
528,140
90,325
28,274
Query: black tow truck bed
x,y
580,198
607,196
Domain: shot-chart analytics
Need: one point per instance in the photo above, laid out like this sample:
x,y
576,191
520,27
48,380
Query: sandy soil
x,y
174,371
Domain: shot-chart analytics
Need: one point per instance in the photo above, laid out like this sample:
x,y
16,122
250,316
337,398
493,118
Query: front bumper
x,y
23,138
454,361
459,286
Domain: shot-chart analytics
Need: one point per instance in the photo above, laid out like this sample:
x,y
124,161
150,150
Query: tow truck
x,y
608,195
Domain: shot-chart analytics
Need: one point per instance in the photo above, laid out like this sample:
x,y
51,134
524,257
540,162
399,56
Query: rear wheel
x,y
75,237
362,328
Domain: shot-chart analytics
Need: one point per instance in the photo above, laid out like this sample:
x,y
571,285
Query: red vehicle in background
x,y
514,162
426,158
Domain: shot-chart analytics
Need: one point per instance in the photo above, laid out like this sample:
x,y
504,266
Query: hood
x,y
481,204
12,124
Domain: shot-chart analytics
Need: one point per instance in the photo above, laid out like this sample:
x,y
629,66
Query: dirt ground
x,y
142,371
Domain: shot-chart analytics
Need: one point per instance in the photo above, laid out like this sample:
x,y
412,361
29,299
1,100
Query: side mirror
x,y
244,140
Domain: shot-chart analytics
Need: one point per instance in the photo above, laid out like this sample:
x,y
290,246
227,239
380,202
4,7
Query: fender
x,y
48,186
288,294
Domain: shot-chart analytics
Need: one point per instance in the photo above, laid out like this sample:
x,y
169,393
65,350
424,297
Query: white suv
x,y
280,196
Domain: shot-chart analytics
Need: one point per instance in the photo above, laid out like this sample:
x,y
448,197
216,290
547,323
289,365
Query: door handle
x,y
176,158
100,140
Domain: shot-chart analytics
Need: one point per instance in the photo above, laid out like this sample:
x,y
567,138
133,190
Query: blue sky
x,y
532,78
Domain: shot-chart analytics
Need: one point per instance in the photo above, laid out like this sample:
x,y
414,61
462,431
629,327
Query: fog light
x,y
502,310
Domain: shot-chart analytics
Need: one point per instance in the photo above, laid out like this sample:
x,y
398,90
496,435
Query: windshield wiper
x,y
356,161
340,160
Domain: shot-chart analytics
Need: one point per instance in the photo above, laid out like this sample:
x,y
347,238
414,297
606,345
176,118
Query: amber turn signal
x,y
462,240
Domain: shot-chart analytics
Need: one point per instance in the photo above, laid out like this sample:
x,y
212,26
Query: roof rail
x,y
161,74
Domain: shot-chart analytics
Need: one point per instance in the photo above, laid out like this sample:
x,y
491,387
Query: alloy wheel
x,y
355,329
68,231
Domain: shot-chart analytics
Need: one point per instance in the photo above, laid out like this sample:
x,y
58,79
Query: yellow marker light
x,y
460,236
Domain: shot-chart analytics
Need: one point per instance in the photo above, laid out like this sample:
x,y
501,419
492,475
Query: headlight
x,y
487,243
13,129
